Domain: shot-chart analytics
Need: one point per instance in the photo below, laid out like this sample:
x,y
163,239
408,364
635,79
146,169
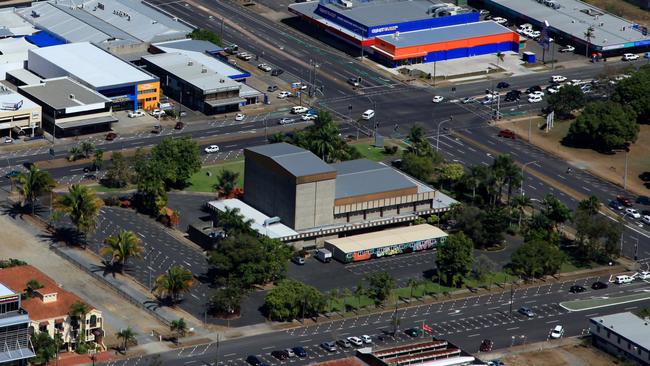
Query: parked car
x,y
502,85
272,88
486,345
277,72
616,205
526,311
299,351
290,352
179,125
329,346
240,117
298,260
437,99
285,121
535,99
557,332
624,201
355,341
157,113
509,134
284,94
567,48
344,343
558,79
111,136
280,355
354,81
632,212
135,114
646,219
12,174
366,339
244,56
211,149
643,200
308,117
253,360
598,285
156,129
299,109
499,20
576,289
630,57
264,67
533,88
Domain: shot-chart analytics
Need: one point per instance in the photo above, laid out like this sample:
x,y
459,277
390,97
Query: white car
x,y
558,79
499,20
211,149
285,121
557,332
134,114
308,117
290,352
568,48
534,99
366,339
630,57
535,34
245,56
554,90
264,67
299,109
633,212
8,140
356,341
157,113
643,275
284,94
537,93
240,117
437,99
646,219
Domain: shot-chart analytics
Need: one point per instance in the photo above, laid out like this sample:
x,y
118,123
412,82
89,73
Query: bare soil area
x,y
568,355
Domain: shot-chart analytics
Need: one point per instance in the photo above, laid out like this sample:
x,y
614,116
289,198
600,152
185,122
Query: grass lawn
x,y
370,152
202,182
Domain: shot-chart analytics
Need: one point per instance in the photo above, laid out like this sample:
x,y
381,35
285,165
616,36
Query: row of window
x,y
9,307
148,91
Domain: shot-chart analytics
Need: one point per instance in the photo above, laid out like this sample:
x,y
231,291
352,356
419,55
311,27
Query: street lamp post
x,y
522,175
623,218
451,118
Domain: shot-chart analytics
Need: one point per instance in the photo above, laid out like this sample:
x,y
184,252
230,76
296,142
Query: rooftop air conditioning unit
x,y
346,3
190,63
71,96
204,70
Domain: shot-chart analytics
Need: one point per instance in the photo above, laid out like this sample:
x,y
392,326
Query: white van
x,y
299,109
621,279
368,114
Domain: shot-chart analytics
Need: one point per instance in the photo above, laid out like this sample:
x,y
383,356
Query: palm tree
x,y
122,246
325,141
79,310
589,34
233,222
172,284
507,173
413,284
82,206
98,159
126,335
520,203
226,182
590,205
87,148
179,326
33,184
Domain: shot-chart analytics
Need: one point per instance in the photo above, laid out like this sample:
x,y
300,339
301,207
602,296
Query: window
x,y
147,91
619,340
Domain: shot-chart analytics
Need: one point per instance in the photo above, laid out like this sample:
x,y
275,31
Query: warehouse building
x,y
624,335
122,27
128,86
319,200
569,20
69,108
18,115
397,32
13,54
197,85
385,243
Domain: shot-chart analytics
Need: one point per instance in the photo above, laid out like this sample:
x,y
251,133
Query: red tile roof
x,y
16,279
349,361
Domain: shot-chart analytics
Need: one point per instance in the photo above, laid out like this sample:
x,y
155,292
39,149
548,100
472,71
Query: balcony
x,y
15,345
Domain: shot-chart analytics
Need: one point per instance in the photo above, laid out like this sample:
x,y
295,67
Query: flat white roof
x,y
210,62
12,101
275,231
92,65
627,325
5,291
14,23
385,238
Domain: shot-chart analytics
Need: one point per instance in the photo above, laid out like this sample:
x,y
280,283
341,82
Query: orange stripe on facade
x,y
422,50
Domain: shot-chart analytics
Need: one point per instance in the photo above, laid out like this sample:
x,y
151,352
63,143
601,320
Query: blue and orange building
x,y
399,32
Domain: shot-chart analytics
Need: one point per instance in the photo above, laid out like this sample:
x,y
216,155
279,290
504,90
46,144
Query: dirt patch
x,y
569,355
609,167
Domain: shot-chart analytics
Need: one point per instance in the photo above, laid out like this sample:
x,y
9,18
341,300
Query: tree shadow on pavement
x,y
64,234
13,210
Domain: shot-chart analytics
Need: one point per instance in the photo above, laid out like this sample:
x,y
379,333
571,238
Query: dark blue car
x,y
299,351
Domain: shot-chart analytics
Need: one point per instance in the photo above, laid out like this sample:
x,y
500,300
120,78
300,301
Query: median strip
x,y
588,304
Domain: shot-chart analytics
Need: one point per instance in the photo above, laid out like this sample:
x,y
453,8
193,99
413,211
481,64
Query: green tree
x,y
233,222
590,205
597,237
419,167
226,182
173,283
454,259
589,34
419,145
556,211
635,92
325,140
413,284
152,191
506,174
603,126
178,159
33,184
537,258
346,294
483,267
227,300
126,335
31,286
452,173
203,34
178,326
291,299
78,310
98,159
121,247
44,348
520,204
118,174
87,149
380,285
359,292
276,138
567,100
82,206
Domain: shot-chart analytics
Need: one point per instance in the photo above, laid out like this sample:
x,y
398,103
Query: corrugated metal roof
x,y
56,93
571,19
445,34
297,161
384,238
198,53
190,45
361,177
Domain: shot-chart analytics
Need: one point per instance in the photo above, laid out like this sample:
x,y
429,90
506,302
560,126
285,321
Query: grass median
x,y
588,304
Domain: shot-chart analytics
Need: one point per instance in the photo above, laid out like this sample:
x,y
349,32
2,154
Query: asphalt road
x,y
463,322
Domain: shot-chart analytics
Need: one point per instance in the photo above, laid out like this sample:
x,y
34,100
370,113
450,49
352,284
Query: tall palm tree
x,y
505,172
33,184
590,205
79,310
232,221
126,335
87,148
589,34
82,206
172,284
226,182
325,141
122,246
179,326
521,203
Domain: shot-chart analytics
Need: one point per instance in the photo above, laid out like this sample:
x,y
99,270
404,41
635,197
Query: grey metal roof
x,y
361,177
197,50
627,325
195,45
572,18
378,12
446,34
56,93
297,161
195,73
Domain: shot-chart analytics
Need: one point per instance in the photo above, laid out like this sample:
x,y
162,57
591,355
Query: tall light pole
x,y
451,118
522,175
623,232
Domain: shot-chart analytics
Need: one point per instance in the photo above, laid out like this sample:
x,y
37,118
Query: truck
x,y
323,255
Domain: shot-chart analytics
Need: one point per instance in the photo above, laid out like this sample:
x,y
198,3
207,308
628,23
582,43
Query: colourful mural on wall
x,y
388,251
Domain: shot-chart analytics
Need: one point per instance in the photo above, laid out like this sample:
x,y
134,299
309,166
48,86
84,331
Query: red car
x,y
179,125
111,136
624,201
486,346
509,134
